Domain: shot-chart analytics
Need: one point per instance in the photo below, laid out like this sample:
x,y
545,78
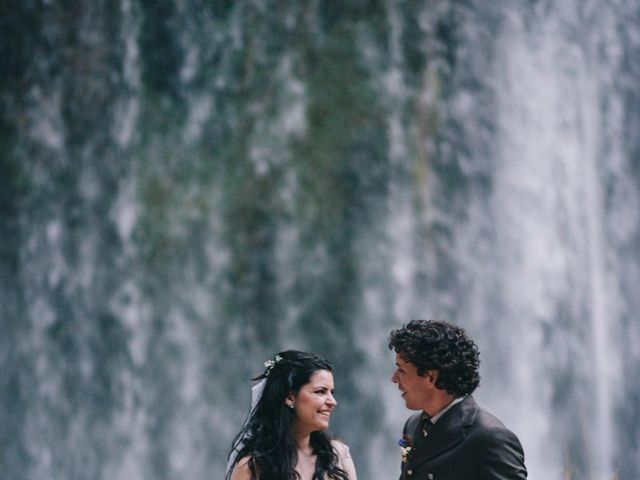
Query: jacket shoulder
x,y
489,429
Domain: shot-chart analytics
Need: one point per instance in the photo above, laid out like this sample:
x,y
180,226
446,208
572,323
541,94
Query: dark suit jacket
x,y
466,443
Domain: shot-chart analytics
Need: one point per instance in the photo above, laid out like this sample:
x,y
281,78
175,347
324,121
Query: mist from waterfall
x,y
190,187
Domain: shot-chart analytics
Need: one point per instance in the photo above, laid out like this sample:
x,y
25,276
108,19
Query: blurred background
x,y
189,186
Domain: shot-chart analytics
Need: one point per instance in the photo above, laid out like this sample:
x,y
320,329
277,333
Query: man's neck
x,y
439,403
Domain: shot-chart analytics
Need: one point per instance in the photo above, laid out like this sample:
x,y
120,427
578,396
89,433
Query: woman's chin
x,y
323,425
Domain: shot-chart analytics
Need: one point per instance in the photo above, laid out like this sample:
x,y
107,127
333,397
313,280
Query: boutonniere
x,y
405,447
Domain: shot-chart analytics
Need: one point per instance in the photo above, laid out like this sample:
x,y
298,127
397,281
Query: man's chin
x,y
410,406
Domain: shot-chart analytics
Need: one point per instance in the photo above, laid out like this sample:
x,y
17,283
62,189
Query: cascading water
x,y
189,187
550,218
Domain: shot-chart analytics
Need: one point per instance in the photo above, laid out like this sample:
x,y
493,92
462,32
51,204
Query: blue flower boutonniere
x,y
405,448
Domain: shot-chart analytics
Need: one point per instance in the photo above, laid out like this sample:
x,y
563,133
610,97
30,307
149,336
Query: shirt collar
x,y
439,415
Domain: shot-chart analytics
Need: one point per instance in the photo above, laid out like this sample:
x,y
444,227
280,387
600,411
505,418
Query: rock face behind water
x,y
189,187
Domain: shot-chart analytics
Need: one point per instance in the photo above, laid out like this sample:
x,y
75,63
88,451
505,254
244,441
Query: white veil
x,y
256,394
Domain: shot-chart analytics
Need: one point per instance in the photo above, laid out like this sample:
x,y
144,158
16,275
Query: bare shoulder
x,y
242,471
340,448
344,459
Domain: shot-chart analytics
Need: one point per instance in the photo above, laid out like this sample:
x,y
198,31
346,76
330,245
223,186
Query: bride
x,y
283,438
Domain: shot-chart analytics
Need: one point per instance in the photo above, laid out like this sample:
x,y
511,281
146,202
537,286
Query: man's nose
x,y
394,378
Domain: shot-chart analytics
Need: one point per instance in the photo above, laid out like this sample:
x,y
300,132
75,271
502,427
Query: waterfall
x,y
192,186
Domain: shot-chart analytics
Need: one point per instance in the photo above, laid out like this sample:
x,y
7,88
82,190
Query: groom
x,y
451,437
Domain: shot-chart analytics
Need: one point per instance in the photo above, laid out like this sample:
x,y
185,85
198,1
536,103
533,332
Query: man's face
x,y
416,390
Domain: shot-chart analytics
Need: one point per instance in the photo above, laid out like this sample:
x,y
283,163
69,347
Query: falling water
x,y
191,186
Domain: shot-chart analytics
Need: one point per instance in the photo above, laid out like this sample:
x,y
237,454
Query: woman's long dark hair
x,y
266,437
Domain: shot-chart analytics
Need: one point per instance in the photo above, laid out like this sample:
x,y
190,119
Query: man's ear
x,y
432,376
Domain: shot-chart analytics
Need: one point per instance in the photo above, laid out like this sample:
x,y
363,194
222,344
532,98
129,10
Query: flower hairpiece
x,y
269,364
405,448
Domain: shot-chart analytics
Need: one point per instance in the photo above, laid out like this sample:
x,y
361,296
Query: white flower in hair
x,y
269,364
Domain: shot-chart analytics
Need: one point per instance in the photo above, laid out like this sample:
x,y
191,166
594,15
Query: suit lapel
x,y
448,432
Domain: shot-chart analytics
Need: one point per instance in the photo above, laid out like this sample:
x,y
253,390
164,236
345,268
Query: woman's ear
x,y
290,400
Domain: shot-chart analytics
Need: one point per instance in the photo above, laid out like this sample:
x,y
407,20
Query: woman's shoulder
x,y
344,458
341,448
242,470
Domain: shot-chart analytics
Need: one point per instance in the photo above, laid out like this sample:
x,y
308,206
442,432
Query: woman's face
x,y
314,402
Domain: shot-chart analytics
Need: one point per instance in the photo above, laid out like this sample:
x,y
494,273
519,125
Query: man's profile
x,y
451,437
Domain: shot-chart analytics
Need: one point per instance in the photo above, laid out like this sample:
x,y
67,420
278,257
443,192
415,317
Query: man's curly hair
x,y
438,345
